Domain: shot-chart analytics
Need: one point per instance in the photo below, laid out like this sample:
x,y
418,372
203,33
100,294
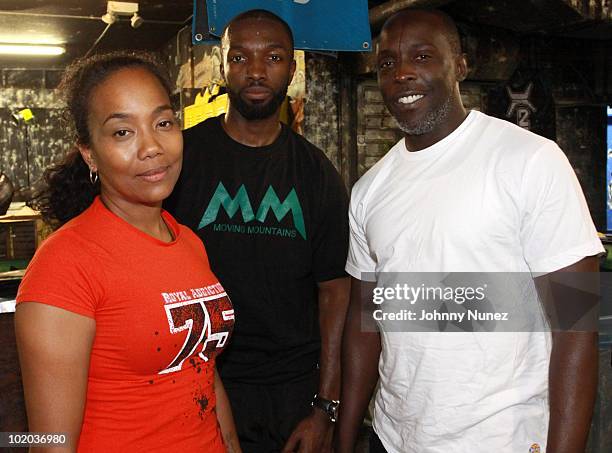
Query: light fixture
x,y
109,18
136,20
30,49
116,9
43,39
113,11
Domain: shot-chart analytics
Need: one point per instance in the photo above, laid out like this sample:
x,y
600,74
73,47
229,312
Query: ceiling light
x,y
122,8
136,20
28,38
29,49
116,9
109,18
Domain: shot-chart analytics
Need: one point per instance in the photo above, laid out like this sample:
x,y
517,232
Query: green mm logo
x,y
241,201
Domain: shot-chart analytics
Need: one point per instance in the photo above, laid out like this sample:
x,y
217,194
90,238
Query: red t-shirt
x,y
161,318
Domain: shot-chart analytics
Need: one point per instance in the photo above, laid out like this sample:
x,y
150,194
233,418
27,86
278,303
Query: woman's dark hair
x,y
68,190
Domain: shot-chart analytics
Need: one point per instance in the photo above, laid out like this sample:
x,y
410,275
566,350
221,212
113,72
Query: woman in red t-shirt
x,y
119,317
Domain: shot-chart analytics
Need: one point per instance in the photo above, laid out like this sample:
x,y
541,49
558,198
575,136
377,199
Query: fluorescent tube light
x,y
29,49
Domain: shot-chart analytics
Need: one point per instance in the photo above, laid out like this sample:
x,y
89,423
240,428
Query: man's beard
x,y
429,122
257,111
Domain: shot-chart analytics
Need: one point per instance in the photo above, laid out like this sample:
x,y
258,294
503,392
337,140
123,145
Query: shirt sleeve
x,y
64,275
330,240
359,261
556,227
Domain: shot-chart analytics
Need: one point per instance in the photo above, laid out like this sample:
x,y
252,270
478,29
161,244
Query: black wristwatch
x,y
330,407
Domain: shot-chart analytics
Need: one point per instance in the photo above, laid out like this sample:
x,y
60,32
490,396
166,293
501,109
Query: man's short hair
x,y
260,14
451,32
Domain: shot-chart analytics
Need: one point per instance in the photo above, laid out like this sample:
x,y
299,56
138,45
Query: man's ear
x,y
292,70
461,69
87,156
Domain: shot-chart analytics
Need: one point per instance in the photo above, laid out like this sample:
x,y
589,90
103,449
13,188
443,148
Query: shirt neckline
x,y
440,146
172,224
255,151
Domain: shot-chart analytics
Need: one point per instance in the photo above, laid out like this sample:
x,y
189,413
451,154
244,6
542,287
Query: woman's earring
x,y
93,176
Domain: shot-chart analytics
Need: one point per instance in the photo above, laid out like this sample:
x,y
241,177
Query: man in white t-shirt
x,y
463,192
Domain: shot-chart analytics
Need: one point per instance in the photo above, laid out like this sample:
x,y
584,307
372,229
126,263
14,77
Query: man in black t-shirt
x,y
272,213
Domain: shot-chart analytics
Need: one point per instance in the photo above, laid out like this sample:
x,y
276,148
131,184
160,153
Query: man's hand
x,y
312,435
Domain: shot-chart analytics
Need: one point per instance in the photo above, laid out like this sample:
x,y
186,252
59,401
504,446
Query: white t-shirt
x,y
490,197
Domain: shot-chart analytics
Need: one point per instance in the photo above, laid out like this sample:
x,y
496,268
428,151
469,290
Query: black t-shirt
x,y
274,222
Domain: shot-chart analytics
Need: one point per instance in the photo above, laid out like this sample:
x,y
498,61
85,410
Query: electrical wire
x,y
98,40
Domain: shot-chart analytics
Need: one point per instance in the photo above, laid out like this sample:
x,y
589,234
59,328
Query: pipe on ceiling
x,y
70,16
380,13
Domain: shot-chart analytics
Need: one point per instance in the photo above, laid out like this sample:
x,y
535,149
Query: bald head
x,y
420,65
255,15
444,24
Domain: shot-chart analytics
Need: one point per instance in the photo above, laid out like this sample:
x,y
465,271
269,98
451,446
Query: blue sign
x,y
330,25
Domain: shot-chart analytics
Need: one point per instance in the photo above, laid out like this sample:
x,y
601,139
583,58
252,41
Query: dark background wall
x,y
321,107
47,142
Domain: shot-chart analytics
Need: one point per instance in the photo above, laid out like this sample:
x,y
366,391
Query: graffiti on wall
x,y
525,100
320,115
521,108
25,153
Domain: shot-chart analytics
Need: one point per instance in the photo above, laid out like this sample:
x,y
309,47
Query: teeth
x,y
409,99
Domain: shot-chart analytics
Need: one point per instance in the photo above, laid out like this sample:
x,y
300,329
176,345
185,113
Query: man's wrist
x,y
326,406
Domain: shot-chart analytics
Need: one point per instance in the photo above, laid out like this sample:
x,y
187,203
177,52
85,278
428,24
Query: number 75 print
x,y
209,322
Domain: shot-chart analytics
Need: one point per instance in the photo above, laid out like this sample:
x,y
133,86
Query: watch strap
x,y
330,407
